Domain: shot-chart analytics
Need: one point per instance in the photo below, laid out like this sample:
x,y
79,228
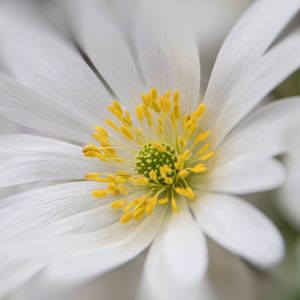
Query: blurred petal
x,y
34,110
246,43
265,132
246,174
49,64
177,260
240,228
288,194
99,35
169,58
258,81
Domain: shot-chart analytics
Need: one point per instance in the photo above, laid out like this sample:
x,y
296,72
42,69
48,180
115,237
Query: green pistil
x,y
150,158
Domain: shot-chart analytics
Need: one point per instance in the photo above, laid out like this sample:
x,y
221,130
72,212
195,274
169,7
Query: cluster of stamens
x,y
166,150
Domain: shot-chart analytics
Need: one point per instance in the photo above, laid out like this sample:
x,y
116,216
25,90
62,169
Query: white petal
x,y
265,132
32,109
240,228
49,64
246,43
28,158
33,212
246,174
82,256
177,260
15,272
169,58
288,195
257,81
99,35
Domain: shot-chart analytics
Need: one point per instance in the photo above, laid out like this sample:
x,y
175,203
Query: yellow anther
x,y
169,180
183,173
90,147
164,170
201,137
102,131
165,104
118,204
151,205
100,138
100,193
153,175
200,110
139,181
182,142
126,217
207,156
154,93
177,111
187,192
117,106
116,112
176,97
139,113
174,205
139,213
200,168
190,193
156,106
91,175
158,146
129,206
203,149
112,124
163,201
126,132
127,119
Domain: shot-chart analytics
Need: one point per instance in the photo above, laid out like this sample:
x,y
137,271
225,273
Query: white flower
x,y
208,149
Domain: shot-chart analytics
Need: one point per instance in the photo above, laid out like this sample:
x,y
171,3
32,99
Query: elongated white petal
x,y
240,228
257,81
169,58
246,174
50,64
246,43
177,260
265,133
35,211
98,34
78,257
38,111
28,158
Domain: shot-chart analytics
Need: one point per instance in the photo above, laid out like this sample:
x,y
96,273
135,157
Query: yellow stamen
x,y
126,132
126,217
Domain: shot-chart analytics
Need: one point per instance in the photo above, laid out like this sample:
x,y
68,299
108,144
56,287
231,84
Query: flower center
x,y
154,156
157,163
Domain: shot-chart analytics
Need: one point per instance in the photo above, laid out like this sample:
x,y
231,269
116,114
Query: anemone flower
x,y
135,154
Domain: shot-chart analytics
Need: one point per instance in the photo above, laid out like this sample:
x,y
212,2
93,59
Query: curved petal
x,y
246,174
257,81
98,34
177,260
28,158
240,228
168,58
245,44
265,132
30,213
49,64
37,111
78,257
